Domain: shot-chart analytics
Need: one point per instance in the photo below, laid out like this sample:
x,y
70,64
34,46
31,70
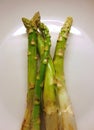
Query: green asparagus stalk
x,y
66,115
50,98
49,93
40,47
32,67
40,78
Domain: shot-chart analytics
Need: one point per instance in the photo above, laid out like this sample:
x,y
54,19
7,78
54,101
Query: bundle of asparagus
x,y
47,93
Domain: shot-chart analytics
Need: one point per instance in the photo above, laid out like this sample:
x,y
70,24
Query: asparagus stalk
x,y
49,93
32,67
65,113
41,51
40,78
50,98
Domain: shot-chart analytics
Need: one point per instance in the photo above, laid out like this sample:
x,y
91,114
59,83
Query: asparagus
x,y
40,78
49,93
31,26
65,111
50,98
40,48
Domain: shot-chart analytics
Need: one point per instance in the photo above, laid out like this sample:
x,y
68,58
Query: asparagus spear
x,y
65,113
49,93
50,98
40,78
31,26
40,52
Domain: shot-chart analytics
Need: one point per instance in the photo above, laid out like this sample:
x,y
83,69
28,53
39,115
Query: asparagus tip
x,y
26,22
35,20
69,20
70,17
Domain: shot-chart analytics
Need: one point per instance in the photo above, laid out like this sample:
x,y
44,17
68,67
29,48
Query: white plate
x,y
79,58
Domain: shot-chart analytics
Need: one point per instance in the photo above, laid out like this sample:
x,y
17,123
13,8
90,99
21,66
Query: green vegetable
x,y
67,120
32,67
49,91
48,103
50,98
40,78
